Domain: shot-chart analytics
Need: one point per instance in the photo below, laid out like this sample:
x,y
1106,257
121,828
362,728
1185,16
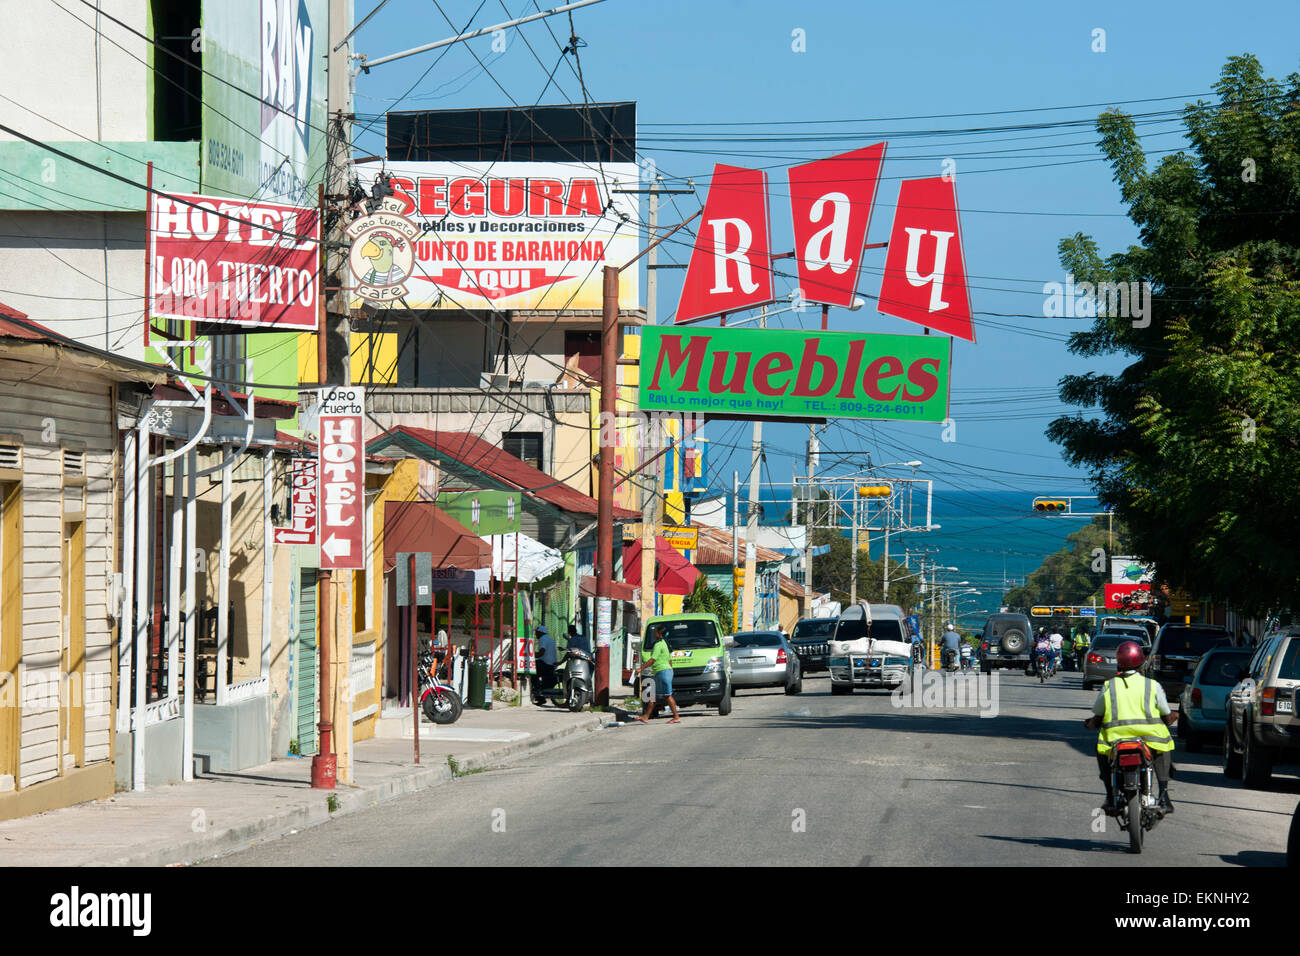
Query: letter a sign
x,y
731,265
342,481
831,202
925,271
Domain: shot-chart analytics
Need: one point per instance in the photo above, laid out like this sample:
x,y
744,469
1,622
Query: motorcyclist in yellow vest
x,y
1133,705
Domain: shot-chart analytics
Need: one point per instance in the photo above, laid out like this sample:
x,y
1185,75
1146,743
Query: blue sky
x,y
869,66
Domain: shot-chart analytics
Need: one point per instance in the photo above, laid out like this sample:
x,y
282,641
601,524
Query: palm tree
x,y
706,599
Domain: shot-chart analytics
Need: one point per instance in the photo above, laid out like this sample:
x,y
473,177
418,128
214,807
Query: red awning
x,y
617,589
420,526
673,573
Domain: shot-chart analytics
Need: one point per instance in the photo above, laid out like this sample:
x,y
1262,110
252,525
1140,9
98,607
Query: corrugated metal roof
x,y
473,452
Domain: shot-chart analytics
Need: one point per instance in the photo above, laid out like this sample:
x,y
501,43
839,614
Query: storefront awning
x,y
420,526
673,573
516,556
617,589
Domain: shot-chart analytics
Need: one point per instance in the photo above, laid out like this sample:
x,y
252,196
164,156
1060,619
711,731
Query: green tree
x,y
833,572
1075,574
1195,443
707,599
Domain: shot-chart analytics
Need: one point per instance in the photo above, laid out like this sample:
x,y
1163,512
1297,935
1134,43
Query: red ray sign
x,y
731,264
831,201
925,271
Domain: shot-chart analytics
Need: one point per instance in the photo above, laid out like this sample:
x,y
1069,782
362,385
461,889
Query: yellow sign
x,y
684,539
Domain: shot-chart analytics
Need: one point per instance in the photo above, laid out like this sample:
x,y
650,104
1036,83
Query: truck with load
x,y
870,648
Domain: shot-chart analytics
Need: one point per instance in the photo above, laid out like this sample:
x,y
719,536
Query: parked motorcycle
x,y
1133,777
571,683
440,702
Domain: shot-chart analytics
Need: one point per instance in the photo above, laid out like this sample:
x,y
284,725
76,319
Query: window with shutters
x,y
526,446
74,484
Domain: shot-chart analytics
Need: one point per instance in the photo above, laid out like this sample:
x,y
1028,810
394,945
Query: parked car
x,y
811,641
764,659
1262,729
1177,650
1110,621
1203,711
1007,641
701,668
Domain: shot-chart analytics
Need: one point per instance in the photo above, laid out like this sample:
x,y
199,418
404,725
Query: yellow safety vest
x,y
1130,704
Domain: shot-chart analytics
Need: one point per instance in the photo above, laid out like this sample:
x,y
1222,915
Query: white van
x,y
870,648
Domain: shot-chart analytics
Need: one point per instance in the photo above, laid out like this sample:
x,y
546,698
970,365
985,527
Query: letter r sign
x,y
731,264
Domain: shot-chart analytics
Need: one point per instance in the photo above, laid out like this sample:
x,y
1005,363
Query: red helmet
x,y
1129,656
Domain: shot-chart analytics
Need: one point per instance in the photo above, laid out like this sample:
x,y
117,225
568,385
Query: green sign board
x,y
779,373
483,512
269,145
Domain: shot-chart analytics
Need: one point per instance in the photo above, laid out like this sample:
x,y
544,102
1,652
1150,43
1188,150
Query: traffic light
x,y
875,491
1049,505
737,581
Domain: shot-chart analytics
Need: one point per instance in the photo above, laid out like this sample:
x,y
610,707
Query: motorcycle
x,y
1042,666
1133,777
571,685
951,660
439,701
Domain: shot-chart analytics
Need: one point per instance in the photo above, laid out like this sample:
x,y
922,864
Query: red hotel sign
x,y
233,261
342,477
302,504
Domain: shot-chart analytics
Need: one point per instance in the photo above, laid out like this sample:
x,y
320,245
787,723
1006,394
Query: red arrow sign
x,y
494,283
302,505
342,477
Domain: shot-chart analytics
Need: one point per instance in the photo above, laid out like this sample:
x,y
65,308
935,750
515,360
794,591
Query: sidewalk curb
x,y
313,809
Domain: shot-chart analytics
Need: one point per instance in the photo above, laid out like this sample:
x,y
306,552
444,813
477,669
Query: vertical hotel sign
x,y
302,504
341,527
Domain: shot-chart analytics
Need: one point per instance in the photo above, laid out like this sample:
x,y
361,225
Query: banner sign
x,y
302,504
514,235
270,144
925,270
683,539
381,254
780,373
483,512
831,201
234,262
731,264
1128,596
1128,570
342,477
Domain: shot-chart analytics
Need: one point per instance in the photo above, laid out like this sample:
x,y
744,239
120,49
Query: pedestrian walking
x,y
656,660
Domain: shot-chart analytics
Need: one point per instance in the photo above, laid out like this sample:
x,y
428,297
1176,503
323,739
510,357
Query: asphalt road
x,y
809,780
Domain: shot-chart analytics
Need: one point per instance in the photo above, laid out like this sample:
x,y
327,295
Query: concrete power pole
x,y
332,349
751,525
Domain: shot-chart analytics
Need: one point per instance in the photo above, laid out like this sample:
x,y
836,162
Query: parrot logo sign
x,y
381,254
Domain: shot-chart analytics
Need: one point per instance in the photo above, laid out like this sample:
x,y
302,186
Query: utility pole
x,y
605,495
889,512
809,522
751,524
332,336
853,574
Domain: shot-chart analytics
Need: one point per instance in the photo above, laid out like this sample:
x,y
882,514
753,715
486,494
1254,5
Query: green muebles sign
x,y
778,373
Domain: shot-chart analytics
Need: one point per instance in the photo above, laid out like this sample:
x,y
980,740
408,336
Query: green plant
x,y
294,748
706,599
332,803
455,767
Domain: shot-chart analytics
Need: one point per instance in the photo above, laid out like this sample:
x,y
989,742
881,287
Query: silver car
x,y
764,659
1099,662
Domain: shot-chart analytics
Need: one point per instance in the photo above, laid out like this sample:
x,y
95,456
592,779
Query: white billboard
x,y
531,236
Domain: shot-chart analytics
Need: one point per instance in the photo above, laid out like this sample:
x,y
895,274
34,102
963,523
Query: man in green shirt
x,y
655,658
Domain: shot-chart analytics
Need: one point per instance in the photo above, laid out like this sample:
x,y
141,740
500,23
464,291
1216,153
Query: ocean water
x,y
993,538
